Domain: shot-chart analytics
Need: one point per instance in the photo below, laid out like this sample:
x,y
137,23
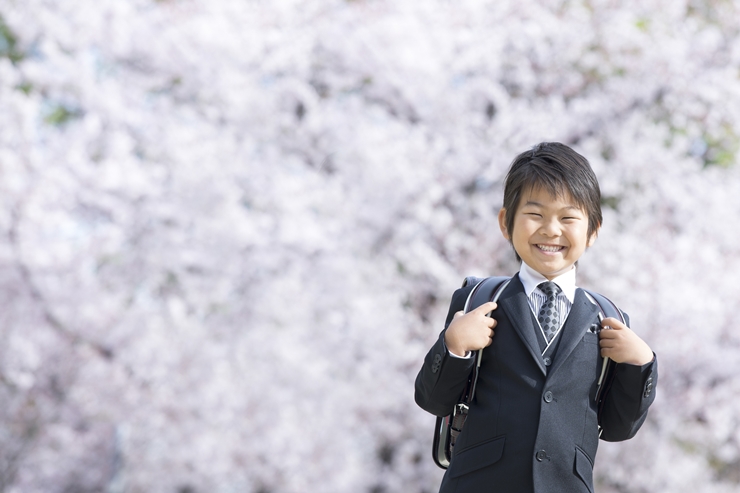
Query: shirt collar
x,y
530,278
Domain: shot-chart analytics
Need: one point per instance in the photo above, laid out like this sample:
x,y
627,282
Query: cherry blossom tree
x,y
230,230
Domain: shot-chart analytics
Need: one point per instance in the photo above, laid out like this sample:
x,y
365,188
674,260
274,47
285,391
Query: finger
x,y
608,334
458,314
490,340
612,323
606,343
491,322
486,307
612,353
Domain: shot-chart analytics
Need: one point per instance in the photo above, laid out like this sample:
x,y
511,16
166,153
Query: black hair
x,y
558,169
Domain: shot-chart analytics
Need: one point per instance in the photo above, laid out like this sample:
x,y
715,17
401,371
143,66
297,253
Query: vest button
x,y
548,361
548,396
541,455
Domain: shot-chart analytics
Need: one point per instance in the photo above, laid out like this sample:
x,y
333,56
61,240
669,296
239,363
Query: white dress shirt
x,y
530,279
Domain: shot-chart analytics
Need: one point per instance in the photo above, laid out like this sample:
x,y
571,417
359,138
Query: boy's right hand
x,y
471,331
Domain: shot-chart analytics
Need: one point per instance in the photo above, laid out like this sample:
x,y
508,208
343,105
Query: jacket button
x,y
548,396
437,363
541,456
648,388
548,361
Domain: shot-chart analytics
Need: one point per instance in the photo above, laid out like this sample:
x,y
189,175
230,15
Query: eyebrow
x,y
537,204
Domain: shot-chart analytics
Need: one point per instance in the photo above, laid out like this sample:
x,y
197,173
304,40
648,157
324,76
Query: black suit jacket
x,y
532,427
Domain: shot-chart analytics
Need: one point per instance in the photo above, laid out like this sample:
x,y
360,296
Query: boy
x,y
533,424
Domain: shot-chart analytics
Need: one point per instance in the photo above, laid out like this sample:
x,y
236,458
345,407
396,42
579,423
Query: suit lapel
x,y
514,303
581,315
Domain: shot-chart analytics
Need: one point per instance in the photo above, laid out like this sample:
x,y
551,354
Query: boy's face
x,y
550,233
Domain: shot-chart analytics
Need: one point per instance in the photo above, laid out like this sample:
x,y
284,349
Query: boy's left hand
x,y
622,345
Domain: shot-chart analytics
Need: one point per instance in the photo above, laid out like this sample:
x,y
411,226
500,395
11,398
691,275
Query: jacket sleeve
x,y
626,404
442,377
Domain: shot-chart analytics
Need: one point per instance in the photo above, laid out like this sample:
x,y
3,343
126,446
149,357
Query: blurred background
x,y
230,229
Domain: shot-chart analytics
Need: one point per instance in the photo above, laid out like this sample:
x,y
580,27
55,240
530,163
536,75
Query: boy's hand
x,y
471,331
622,345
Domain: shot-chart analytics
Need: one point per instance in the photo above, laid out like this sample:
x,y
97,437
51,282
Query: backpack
x,y
448,428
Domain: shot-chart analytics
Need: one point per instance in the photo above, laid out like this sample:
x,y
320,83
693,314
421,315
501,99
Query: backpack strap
x,y
607,309
448,428
485,290
606,306
471,281
488,289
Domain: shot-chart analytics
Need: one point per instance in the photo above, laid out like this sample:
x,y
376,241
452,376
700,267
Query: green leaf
x,y
60,115
9,43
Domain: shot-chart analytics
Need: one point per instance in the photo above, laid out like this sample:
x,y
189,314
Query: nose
x,y
550,228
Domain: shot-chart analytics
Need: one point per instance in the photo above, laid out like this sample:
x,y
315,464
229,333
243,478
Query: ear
x,y
592,239
502,224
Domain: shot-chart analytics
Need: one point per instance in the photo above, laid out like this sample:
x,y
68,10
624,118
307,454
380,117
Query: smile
x,y
550,248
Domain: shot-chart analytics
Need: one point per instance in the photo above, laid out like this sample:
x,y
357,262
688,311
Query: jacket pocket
x,y
477,456
584,468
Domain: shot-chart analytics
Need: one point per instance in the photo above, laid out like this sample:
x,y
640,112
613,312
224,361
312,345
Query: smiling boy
x,y
534,424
